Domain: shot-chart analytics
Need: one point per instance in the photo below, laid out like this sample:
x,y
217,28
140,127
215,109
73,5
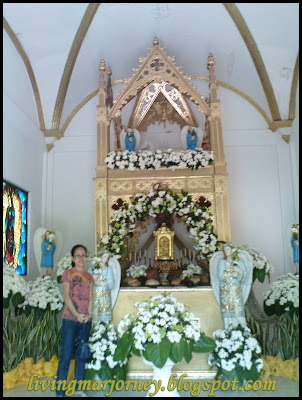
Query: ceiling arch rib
x,y
293,92
256,57
74,51
30,72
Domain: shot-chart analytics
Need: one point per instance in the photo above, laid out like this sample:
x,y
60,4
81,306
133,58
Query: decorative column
x,y
217,145
102,149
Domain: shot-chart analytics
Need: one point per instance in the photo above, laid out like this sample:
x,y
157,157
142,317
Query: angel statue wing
x,y
116,269
247,260
183,137
122,139
288,242
137,137
214,262
200,135
38,237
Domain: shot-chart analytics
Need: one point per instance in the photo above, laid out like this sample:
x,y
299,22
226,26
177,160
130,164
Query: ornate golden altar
x,y
210,181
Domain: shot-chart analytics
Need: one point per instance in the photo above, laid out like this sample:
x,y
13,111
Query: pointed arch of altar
x,y
210,182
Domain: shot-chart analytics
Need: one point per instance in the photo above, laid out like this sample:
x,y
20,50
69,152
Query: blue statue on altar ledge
x,y
130,140
191,139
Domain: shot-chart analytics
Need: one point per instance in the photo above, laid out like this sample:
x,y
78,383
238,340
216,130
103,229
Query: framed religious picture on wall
x,y
15,208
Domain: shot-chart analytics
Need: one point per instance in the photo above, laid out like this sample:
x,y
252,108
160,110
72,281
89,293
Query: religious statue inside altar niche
x,y
106,272
231,274
191,137
130,139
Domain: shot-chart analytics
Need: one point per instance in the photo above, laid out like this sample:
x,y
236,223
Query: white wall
x,y
23,147
23,142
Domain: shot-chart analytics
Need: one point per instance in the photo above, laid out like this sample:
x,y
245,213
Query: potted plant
x,y
162,332
237,355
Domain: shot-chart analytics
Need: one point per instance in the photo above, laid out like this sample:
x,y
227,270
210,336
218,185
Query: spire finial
x,y
102,66
155,41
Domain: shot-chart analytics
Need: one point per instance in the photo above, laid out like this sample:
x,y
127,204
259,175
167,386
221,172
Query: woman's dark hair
x,y
73,251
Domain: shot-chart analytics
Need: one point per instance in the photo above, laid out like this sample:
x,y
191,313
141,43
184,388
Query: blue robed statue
x,y
192,139
130,140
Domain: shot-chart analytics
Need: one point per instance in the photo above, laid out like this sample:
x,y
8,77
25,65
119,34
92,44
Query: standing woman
x,y
77,293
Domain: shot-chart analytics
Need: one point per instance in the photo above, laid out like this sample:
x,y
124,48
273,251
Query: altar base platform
x,y
202,304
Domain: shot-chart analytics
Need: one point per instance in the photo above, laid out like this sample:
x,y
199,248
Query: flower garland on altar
x,y
192,159
163,203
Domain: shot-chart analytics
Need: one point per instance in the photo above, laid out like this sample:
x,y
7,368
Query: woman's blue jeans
x,y
72,332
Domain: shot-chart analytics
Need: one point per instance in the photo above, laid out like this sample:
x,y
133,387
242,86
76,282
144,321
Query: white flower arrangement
x,y
162,328
63,265
13,285
190,271
51,236
98,262
43,294
237,353
295,231
135,271
103,342
261,265
145,159
163,202
283,296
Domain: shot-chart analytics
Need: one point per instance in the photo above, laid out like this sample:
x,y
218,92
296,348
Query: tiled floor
x,y
284,388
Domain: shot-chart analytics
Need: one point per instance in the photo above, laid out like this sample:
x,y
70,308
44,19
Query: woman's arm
x,y
90,304
69,302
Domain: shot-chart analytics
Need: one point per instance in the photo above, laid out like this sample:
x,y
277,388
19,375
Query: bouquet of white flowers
x,y
103,342
98,262
283,296
135,271
295,231
162,328
51,236
190,271
261,265
237,354
144,159
14,287
43,295
63,265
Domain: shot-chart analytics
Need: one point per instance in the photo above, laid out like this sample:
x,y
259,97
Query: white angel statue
x,y
231,273
47,247
130,139
191,137
107,278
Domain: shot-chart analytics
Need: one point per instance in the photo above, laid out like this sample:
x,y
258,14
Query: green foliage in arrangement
x,y
29,336
278,337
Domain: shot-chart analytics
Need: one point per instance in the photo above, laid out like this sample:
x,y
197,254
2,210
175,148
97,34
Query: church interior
x,y
159,132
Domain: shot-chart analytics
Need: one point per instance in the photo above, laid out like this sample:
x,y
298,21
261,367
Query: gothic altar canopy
x,y
157,109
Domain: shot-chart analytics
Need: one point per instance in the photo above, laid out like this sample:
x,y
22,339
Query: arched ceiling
x,y
255,46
